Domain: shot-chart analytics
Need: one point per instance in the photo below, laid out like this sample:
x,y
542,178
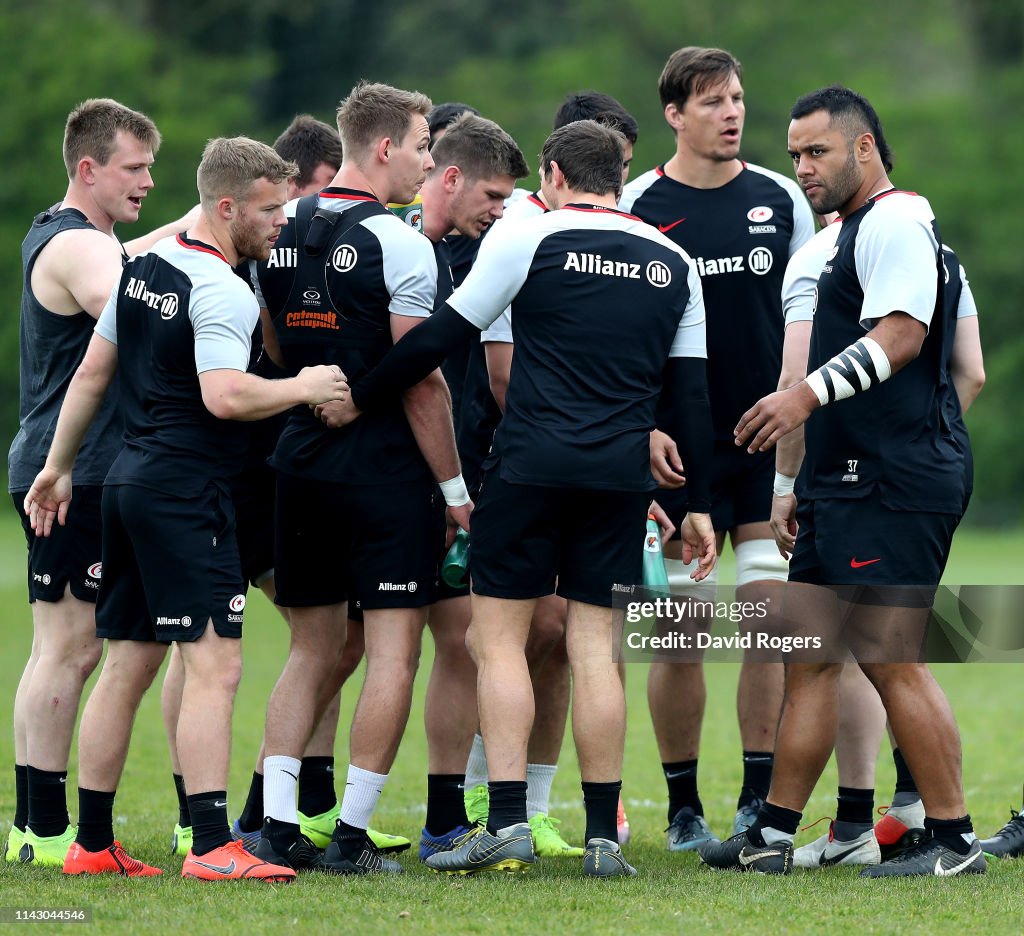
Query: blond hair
x,y
374,111
230,166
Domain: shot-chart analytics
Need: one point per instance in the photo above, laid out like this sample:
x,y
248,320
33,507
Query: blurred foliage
x,y
946,76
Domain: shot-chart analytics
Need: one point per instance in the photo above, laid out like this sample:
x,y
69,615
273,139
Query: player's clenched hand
x,y
666,526
774,416
698,537
456,517
666,466
783,523
323,383
338,413
48,498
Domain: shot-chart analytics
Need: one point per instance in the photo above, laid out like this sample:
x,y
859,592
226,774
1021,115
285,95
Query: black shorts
x,y
525,537
333,542
741,489
71,554
870,554
170,565
253,493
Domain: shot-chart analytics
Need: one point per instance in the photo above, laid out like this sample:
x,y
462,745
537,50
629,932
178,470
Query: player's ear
x,y
383,149
452,174
225,208
865,146
674,116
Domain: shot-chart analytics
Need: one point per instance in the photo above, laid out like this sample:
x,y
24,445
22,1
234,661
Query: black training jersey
x,y
901,435
600,301
51,347
178,311
372,268
740,236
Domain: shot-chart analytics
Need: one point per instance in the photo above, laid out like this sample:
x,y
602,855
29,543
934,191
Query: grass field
x,y
672,894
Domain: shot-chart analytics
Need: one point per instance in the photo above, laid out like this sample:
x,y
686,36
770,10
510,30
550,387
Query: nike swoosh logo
x,y
63,779
678,773
665,228
477,855
836,858
750,859
956,869
225,870
854,564
290,774
219,803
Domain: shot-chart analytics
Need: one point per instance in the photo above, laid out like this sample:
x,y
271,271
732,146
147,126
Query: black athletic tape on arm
x,y
689,423
420,351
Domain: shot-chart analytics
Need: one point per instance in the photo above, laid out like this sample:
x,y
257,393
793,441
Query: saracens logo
x,y
344,258
95,570
237,603
760,214
658,274
760,260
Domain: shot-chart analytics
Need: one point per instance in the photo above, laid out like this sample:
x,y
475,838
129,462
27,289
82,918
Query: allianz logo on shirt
x,y
165,303
758,261
658,274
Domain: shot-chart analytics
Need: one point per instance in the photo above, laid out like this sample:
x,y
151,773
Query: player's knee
x,y
760,561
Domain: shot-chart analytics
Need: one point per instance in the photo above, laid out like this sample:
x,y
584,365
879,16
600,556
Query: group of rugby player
x,y
373,360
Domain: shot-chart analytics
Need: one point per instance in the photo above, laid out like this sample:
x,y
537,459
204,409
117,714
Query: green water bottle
x,y
453,570
655,576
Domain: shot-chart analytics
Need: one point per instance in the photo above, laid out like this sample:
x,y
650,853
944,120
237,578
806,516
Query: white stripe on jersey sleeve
x,y
106,324
410,267
224,314
636,188
802,272
803,218
691,336
516,207
895,254
498,272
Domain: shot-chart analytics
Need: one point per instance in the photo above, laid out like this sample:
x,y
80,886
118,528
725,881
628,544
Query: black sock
x,y
184,820
446,803
316,786
280,834
601,801
20,796
209,812
855,805
773,817
951,832
95,819
252,815
507,804
681,777
757,777
47,801
904,781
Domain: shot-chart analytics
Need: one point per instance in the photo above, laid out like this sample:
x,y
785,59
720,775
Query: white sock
x,y
362,791
476,766
280,780
538,788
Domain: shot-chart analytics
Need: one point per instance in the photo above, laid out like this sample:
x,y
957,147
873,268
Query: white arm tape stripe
x,y
454,491
784,484
862,365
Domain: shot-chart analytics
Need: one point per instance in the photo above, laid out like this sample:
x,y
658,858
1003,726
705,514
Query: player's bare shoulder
x,y
76,270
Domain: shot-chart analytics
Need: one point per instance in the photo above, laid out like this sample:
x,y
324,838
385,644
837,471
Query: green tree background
x,y
947,77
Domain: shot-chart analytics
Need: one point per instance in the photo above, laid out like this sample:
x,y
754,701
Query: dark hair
x,y
852,110
442,116
693,69
307,142
589,154
595,105
92,127
480,148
